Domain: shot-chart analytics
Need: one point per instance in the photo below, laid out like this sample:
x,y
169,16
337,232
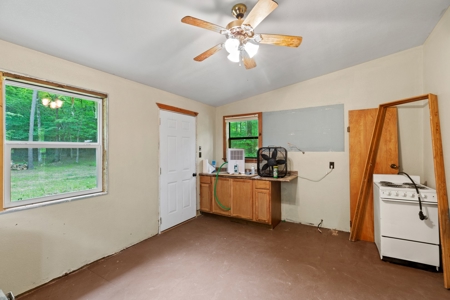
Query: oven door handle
x,y
407,201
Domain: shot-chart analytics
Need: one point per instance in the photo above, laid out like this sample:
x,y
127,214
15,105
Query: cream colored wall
x,y
40,244
363,86
411,138
437,81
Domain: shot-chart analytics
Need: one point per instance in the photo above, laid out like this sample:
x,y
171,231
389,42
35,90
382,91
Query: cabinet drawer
x,y
411,251
261,184
205,179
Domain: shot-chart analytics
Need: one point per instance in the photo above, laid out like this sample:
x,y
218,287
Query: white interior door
x,y
177,186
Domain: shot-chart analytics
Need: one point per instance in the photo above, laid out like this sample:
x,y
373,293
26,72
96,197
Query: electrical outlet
x,y
331,164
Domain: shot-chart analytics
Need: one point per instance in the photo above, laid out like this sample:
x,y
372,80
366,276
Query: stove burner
x,y
405,185
393,185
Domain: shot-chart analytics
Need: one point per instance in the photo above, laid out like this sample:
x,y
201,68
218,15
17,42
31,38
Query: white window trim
x,y
100,153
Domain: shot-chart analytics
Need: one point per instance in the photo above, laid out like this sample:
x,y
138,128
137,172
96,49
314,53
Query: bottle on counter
x,y
275,172
252,171
235,168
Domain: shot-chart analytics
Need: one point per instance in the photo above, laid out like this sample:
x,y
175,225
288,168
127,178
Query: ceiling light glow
x,y
232,45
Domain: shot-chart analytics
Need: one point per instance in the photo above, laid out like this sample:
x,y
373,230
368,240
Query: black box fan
x,y
268,157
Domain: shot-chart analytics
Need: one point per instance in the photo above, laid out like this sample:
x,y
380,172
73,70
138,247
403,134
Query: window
x,y
53,142
243,132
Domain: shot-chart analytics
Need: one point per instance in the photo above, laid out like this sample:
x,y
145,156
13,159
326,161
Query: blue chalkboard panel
x,y
314,129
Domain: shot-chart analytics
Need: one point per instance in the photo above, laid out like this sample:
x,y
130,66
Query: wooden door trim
x,y
177,109
439,173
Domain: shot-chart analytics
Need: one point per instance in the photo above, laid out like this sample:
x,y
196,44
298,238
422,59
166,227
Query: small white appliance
x,y
236,161
399,232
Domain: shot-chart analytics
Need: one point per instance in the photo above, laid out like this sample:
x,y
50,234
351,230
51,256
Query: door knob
x,y
194,174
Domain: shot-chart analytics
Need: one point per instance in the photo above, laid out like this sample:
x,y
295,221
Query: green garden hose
x,y
215,185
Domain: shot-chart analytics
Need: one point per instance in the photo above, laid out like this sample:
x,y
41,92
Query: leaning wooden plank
x,y
366,181
441,187
405,101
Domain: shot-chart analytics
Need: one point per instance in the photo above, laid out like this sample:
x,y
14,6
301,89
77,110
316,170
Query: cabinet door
x,y
205,193
223,192
242,199
262,206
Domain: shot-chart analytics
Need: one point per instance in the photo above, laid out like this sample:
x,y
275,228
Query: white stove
x,y
399,232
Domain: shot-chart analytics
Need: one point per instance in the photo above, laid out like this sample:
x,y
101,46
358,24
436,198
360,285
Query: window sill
x,y
48,203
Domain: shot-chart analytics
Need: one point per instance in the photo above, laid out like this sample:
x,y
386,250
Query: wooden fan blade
x,y
262,9
281,40
203,24
208,53
249,63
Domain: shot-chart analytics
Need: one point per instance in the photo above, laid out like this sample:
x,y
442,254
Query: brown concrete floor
x,y
210,258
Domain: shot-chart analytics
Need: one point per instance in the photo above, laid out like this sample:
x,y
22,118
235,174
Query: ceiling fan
x,y
242,42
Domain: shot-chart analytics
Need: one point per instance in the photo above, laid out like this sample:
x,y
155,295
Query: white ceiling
x,y
145,41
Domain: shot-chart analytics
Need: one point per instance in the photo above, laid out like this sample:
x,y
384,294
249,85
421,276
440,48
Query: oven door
x,y
400,219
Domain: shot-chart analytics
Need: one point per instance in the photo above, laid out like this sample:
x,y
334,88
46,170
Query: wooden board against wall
x,y
361,125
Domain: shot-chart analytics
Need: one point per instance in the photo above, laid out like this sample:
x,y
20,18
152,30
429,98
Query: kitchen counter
x,y
247,197
291,176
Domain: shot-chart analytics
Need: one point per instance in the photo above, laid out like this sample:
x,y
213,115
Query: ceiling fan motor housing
x,y
268,158
239,10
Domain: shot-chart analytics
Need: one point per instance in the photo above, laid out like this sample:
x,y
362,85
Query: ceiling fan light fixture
x,y
59,103
45,101
234,56
232,45
251,49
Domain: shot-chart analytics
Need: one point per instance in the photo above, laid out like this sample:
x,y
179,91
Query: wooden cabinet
x,y
267,198
262,206
206,193
249,199
242,198
223,192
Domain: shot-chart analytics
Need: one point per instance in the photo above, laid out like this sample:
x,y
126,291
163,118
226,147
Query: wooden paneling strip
x,y
441,187
177,109
439,170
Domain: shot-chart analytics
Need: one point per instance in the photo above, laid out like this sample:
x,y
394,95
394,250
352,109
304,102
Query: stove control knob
x,y
389,193
396,194
413,195
424,196
405,194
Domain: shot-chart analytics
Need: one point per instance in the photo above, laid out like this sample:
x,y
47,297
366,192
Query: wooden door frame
x,y
439,173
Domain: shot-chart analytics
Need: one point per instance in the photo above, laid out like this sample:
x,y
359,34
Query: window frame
x,y
6,146
226,138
